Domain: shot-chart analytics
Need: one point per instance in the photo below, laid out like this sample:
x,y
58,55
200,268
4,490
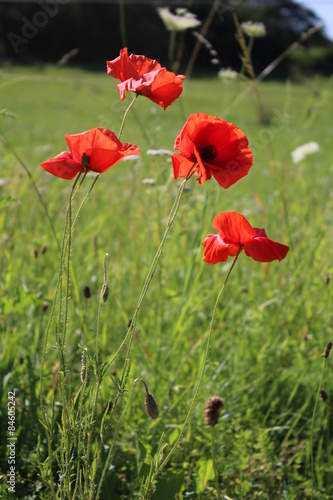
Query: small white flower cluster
x,y
303,151
227,75
181,21
254,30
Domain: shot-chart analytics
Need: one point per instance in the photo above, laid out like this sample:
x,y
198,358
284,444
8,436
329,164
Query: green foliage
x,y
272,324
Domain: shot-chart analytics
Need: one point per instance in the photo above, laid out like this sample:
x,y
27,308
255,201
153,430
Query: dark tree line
x,y
43,31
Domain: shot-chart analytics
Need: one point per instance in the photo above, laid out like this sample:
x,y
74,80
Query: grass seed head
x,y
327,350
84,373
323,395
212,410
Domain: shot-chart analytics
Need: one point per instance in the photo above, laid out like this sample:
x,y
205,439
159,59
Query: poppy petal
x,y
236,232
220,148
102,148
263,249
215,250
160,86
62,166
124,66
234,228
146,77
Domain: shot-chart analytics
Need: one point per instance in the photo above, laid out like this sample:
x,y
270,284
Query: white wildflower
x,y
303,151
227,75
158,152
149,181
255,30
181,21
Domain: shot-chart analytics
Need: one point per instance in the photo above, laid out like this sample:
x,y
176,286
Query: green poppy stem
x,y
125,116
202,371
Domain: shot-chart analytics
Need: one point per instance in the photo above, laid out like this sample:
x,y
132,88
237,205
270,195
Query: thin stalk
x,y
202,371
84,202
218,489
58,287
312,425
19,159
172,215
125,116
115,435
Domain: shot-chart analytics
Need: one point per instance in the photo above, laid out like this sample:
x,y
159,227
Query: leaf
x,y
168,486
205,472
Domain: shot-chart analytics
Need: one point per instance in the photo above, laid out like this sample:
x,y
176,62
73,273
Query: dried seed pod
x,y
150,402
212,410
323,395
327,350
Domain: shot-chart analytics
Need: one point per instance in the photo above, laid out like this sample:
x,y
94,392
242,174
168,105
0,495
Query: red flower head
x,y
97,150
145,77
236,232
219,149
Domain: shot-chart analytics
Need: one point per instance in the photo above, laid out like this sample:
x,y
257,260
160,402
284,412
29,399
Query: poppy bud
x,y
212,410
323,395
150,402
327,350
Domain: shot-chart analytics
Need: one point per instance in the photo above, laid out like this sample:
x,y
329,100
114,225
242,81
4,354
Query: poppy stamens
x,y
209,153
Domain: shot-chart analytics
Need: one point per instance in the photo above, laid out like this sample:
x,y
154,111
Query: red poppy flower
x,y
145,77
101,148
219,149
236,232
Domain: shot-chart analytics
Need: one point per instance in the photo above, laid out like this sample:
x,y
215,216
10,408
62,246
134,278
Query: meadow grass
x,y
273,322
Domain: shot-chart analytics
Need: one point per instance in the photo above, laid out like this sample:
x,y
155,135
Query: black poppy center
x,y
209,153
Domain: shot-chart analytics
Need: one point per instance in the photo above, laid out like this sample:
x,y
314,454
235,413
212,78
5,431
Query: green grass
x,y
274,319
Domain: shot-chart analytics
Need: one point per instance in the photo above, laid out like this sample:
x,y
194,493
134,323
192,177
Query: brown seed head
x,y
323,394
212,410
327,350
87,292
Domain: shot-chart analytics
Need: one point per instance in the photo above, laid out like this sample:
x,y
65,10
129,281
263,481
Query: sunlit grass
x,y
273,322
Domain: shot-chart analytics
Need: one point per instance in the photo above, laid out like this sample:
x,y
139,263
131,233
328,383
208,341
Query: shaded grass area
x,y
273,322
